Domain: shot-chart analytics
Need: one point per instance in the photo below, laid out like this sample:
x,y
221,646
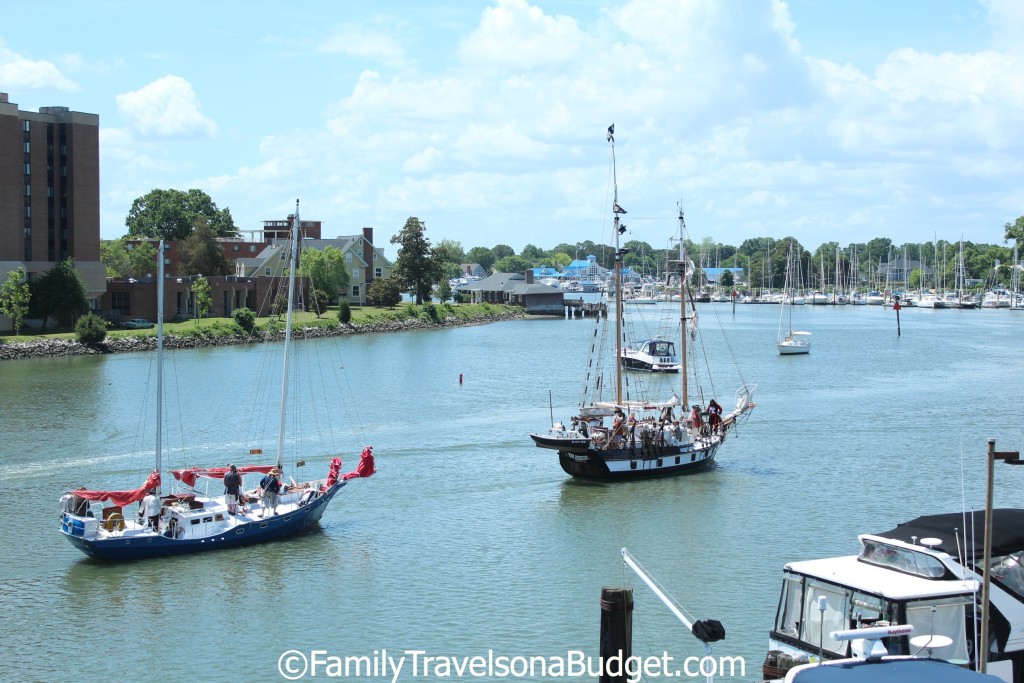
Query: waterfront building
x,y
49,194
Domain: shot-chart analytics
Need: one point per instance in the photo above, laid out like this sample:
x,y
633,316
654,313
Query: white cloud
x,y
17,71
361,41
167,107
423,161
517,35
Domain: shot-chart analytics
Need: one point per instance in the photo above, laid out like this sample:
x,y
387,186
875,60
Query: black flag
x,y
611,133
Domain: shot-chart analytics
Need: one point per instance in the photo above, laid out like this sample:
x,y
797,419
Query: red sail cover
x,y
190,475
122,498
366,466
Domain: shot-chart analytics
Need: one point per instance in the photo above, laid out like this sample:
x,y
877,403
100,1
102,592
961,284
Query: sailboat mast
x,y
682,311
618,229
292,263
159,357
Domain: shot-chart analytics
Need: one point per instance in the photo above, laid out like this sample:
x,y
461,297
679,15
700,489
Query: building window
x,y
121,301
27,148
374,256
266,271
348,258
28,169
28,212
355,272
25,126
28,190
236,247
252,248
378,272
355,291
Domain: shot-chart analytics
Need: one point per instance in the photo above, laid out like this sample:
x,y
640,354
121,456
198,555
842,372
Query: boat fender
x,y
114,521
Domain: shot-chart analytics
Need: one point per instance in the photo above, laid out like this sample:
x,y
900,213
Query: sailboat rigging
x,y
645,438
96,521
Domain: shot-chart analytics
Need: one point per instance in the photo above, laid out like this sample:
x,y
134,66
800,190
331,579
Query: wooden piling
x,y
616,631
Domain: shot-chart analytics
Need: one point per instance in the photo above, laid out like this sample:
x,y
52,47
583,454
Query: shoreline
x,y
60,348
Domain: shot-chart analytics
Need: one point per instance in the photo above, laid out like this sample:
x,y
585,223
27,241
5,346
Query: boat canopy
x,y
120,498
190,475
949,529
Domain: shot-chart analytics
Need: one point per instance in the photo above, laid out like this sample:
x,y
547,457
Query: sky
x,y
824,120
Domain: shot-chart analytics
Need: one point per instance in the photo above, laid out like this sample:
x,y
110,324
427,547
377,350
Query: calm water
x,y
470,538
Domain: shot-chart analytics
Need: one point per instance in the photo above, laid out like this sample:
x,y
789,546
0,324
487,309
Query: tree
x,y
1015,230
417,269
511,264
385,292
444,290
173,214
123,261
500,251
90,329
59,292
454,248
201,253
727,279
245,318
326,271
344,312
481,255
319,300
203,298
15,296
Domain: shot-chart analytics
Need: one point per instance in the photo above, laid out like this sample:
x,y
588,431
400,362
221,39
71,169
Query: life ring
x,y
114,521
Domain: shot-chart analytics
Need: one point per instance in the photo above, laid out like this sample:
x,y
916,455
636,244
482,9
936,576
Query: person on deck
x,y
618,423
696,422
271,485
232,487
149,510
714,416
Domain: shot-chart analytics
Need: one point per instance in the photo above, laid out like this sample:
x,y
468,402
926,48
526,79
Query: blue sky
x,y
825,120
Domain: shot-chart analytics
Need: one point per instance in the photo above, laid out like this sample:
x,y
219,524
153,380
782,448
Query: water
x,y
470,539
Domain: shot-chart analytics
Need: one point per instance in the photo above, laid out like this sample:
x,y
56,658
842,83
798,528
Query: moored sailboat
x,y
791,342
645,438
98,522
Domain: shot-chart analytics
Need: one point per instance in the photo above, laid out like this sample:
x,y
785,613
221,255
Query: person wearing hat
x,y
149,510
271,485
232,487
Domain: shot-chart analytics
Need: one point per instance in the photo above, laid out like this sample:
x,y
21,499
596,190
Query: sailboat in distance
x,y
790,342
99,523
623,436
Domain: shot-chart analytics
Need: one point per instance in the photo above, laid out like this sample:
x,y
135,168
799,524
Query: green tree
x,y
319,300
511,264
201,254
444,291
727,279
454,250
245,318
533,254
15,296
344,312
500,251
481,255
326,271
1015,230
60,293
203,298
417,268
123,261
173,214
385,292
90,329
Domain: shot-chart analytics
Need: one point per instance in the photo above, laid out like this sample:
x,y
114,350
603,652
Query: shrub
x,y
344,312
90,329
245,318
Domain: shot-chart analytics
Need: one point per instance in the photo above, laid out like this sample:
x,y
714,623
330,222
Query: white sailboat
x,y
790,342
98,522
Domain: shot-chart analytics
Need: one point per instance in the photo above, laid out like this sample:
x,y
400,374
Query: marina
x,y
469,538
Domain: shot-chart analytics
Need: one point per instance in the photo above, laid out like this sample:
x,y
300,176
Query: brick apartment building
x,y
49,194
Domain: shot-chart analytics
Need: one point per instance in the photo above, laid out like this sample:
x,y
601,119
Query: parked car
x,y
138,324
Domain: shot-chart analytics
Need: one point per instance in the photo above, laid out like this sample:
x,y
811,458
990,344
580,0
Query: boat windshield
x,y
1008,573
662,348
901,559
